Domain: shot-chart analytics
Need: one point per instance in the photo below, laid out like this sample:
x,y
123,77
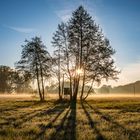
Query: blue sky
x,y
119,19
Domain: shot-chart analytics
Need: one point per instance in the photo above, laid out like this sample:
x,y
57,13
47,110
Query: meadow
x,y
98,118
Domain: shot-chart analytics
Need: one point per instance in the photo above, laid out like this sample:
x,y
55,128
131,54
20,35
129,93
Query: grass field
x,y
99,118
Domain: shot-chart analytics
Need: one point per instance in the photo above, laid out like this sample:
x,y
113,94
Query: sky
x,y
119,20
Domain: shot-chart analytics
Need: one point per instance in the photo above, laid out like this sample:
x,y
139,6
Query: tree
x,y
36,60
13,81
60,55
6,83
89,51
22,81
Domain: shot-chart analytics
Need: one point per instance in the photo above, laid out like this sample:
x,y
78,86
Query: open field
x,y
99,118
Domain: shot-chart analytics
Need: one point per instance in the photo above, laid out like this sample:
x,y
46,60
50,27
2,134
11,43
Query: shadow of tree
x,y
59,127
52,110
116,125
21,105
70,128
66,130
92,124
18,121
56,110
14,120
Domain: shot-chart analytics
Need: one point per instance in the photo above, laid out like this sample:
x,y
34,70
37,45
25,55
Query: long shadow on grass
x,y
51,125
14,120
108,118
70,130
66,130
59,128
20,106
92,124
58,106
18,121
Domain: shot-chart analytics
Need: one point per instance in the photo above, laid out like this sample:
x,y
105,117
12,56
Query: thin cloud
x,y
21,29
64,15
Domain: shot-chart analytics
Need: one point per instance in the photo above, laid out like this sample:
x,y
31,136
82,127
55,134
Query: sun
x,y
79,71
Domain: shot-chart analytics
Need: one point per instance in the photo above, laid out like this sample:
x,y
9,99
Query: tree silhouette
x,y
89,52
37,61
59,42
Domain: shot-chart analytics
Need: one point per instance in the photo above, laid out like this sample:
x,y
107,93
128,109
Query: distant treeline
x,y
14,81
129,88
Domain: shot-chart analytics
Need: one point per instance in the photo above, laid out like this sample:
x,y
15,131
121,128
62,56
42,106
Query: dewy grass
x,y
99,119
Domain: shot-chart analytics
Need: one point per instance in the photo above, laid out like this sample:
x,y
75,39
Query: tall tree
x,y
36,60
60,56
89,51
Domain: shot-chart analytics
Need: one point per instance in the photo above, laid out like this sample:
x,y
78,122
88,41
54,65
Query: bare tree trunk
x,y
42,82
76,87
83,85
63,86
43,91
70,88
89,90
39,90
59,86
38,83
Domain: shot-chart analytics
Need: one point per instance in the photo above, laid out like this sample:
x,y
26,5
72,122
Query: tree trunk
x,y
63,86
89,90
70,88
42,82
43,91
38,83
59,86
76,87
83,85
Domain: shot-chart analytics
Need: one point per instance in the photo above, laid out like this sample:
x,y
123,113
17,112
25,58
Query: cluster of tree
x,y
36,61
82,56
14,81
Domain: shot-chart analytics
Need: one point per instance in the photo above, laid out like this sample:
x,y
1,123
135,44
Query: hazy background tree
x,y
6,79
22,82
12,81
36,60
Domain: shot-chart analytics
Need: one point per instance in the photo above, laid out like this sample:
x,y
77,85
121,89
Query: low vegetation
x,y
99,119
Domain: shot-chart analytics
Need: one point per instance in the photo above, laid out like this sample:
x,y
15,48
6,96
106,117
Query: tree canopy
x,y
36,60
86,54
